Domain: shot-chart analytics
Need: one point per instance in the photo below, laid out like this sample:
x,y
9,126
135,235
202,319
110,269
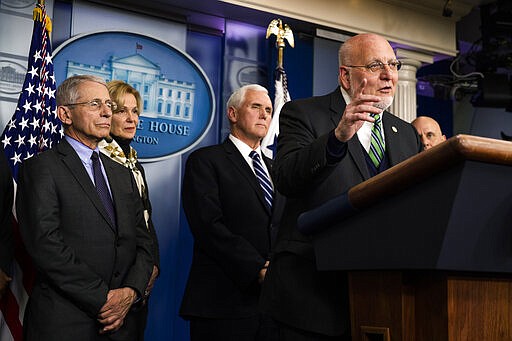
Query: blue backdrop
x,y
238,55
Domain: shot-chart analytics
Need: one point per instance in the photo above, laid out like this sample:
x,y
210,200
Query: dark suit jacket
x,y
146,204
137,320
77,251
6,199
294,292
232,227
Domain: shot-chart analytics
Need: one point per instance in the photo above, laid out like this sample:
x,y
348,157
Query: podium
x,y
428,246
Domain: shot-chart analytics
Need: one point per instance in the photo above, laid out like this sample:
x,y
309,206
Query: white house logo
x,y
18,3
178,101
12,76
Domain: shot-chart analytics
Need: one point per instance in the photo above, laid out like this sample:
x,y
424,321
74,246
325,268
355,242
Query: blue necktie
x,y
262,177
102,188
377,147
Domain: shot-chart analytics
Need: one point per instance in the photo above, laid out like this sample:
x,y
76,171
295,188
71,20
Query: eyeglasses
x,y
95,104
394,65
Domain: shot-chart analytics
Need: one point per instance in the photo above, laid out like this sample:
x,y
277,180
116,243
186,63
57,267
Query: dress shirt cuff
x,y
139,300
336,150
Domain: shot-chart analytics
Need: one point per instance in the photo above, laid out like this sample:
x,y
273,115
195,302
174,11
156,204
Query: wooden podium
x,y
429,247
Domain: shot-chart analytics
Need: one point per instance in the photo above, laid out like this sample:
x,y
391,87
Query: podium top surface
x,y
447,208
425,164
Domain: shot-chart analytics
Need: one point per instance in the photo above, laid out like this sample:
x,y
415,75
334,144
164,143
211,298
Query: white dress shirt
x,y
364,134
245,150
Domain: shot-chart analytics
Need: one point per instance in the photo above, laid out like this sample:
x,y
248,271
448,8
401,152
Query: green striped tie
x,y
377,146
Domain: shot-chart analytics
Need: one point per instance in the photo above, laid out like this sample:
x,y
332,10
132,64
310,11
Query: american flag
x,y
33,128
269,142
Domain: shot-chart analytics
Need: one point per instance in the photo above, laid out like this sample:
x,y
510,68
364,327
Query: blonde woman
x,y
122,130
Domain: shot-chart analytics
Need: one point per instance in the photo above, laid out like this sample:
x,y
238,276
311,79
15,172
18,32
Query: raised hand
x,y
356,113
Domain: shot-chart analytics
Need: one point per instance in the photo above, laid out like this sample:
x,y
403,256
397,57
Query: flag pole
x,y
283,33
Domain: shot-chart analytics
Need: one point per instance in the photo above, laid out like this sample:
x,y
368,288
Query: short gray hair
x,y
68,91
238,96
345,53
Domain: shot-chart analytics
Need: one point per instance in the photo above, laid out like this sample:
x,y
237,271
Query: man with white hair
x,y
81,219
231,207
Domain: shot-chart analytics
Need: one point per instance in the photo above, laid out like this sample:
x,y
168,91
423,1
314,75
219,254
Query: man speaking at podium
x,y
326,145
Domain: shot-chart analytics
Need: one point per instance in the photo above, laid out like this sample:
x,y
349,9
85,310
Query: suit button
x,y
117,273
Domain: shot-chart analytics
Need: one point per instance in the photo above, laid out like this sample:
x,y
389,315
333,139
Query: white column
x,y
404,104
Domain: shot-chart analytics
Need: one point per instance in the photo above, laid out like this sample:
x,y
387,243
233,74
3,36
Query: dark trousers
x,y
257,328
287,333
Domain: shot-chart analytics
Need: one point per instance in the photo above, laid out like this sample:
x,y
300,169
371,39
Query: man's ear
x,y
344,78
232,115
64,115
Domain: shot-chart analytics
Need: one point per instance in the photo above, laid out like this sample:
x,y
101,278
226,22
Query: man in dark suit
x,y
6,240
324,148
82,223
231,218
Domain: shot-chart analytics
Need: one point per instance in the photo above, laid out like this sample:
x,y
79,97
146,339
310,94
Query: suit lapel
x,y
241,165
268,163
276,200
354,147
392,137
74,164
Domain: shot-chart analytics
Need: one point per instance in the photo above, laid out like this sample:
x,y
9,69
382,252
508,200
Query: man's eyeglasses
x,y
394,65
95,104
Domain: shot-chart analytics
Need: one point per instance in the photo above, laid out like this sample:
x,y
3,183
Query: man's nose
x,y
264,113
106,111
386,72
425,141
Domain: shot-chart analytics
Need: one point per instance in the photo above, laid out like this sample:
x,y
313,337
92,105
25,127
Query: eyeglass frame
x,y
381,65
112,107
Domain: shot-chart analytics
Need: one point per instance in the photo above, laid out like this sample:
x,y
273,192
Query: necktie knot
x,y
263,179
254,155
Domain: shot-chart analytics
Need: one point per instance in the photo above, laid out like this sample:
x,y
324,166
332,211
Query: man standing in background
x,y
231,206
81,220
429,131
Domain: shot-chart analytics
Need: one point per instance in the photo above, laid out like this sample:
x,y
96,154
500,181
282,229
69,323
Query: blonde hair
x,y
118,89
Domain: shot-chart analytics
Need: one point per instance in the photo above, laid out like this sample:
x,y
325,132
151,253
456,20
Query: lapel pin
x,y
394,129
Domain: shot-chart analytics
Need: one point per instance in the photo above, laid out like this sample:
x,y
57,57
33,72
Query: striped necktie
x,y
377,146
263,178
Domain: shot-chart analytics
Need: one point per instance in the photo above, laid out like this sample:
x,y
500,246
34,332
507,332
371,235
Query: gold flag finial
x,y
39,14
282,33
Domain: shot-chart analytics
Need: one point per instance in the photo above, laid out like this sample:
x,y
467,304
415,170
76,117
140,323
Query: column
x,y
404,104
